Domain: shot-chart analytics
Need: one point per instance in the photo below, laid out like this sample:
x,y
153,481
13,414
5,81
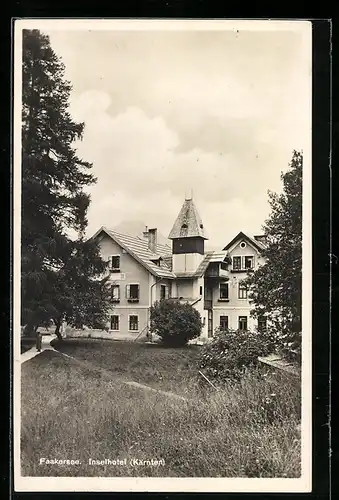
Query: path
x,y
45,346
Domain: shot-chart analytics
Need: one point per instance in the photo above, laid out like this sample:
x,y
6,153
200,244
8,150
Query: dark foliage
x,y
174,322
275,287
59,275
230,353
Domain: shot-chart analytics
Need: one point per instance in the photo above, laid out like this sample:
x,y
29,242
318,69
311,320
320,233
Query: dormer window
x,y
157,261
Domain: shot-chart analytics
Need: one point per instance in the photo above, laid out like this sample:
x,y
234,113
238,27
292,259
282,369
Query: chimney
x,y
152,240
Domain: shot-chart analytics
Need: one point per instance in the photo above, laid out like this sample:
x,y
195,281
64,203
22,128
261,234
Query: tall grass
x,y
68,412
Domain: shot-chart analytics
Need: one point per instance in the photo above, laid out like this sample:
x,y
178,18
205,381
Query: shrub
x,y
230,353
174,322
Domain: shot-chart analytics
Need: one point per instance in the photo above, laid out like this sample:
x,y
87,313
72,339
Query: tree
x,y
54,179
81,294
174,322
275,287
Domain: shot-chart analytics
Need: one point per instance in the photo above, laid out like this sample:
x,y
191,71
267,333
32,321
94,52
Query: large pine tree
x,y
275,287
53,197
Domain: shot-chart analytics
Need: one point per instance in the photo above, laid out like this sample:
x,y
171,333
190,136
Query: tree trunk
x,y
57,329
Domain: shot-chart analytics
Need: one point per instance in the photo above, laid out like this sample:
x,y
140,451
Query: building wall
x,y
124,313
185,288
236,306
186,262
131,273
157,289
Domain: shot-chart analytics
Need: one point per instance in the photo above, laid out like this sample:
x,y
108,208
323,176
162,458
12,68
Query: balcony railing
x,y
215,272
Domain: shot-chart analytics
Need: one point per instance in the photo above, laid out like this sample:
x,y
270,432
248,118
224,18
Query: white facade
x,y
227,302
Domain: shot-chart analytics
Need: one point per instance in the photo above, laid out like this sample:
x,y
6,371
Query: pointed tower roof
x,y
188,223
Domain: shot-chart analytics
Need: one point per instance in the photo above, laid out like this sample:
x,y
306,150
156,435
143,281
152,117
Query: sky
x,y
168,114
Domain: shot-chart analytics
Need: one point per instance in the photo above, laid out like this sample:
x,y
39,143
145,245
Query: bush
x,y
174,322
230,353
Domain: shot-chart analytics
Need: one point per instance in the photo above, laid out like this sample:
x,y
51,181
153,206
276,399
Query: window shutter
x,y
166,292
128,288
118,288
110,262
138,291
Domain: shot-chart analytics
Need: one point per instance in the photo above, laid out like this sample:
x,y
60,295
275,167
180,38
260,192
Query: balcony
x,y
215,270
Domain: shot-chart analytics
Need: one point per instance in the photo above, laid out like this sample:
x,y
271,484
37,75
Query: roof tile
x,y
188,223
138,248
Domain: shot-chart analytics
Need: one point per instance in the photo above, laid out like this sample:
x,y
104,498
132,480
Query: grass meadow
x,y
72,411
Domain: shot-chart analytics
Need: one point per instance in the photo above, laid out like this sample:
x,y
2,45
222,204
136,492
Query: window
x,y
242,323
201,290
224,266
115,293
236,263
133,292
249,260
243,244
223,291
163,292
223,322
133,323
115,263
242,291
262,324
115,322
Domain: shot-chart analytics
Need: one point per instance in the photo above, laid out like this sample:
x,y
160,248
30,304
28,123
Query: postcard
x,y
162,255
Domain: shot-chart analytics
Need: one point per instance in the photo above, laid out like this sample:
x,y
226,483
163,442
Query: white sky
x,y
218,112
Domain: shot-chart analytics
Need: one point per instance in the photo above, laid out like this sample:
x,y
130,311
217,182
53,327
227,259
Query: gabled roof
x,y
138,249
242,236
188,223
219,256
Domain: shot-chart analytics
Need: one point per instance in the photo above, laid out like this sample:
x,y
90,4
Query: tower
x,y
188,239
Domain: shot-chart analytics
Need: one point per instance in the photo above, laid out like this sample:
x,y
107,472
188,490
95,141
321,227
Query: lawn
x,y
72,412
165,368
